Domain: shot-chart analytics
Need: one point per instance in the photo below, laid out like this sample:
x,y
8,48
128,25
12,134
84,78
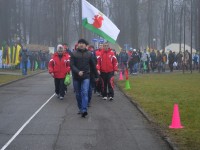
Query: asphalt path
x,y
32,118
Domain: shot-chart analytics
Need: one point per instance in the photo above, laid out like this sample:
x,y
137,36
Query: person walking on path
x,y
99,82
123,60
135,60
24,60
82,64
68,52
58,67
107,66
92,76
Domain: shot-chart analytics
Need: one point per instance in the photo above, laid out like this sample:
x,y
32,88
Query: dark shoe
x,y
84,114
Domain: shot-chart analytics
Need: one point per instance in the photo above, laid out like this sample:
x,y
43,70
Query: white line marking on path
x,y
25,124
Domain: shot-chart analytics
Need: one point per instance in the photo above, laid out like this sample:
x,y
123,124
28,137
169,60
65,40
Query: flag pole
x,y
191,36
80,19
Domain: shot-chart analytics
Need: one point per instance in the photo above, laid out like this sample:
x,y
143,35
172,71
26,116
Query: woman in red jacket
x,y
58,67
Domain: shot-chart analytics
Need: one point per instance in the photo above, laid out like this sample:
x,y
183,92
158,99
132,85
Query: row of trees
x,y
152,23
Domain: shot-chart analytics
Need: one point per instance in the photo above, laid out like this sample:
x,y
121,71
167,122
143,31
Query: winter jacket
x,y
153,56
164,57
107,62
98,53
159,58
145,57
135,58
123,57
24,55
82,60
171,57
60,66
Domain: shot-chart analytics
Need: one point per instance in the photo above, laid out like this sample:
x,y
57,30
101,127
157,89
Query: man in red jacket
x,y
107,66
58,67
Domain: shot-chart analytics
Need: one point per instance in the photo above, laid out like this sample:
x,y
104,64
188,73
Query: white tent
x,y
174,47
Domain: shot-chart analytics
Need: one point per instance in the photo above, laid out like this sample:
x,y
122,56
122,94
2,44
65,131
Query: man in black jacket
x,y
82,64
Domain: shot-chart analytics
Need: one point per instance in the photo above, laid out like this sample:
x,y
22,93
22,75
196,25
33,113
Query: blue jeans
x,y
91,87
42,65
135,68
81,88
24,67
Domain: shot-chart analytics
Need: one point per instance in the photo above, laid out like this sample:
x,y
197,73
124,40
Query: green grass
x,y
8,78
157,94
5,78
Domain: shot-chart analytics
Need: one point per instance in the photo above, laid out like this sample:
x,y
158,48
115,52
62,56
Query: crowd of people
x,y
94,69
38,60
141,62
18,56
91,70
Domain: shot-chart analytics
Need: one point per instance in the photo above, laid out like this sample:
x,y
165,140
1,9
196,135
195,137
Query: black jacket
x,y
82,60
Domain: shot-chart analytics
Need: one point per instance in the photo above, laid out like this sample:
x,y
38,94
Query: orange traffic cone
x,y
126,73
176,123
121,76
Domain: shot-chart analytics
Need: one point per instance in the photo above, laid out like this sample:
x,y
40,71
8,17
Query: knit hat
x,y
59,46
82,41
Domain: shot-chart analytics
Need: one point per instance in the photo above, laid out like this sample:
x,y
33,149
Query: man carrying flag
x,y
97,22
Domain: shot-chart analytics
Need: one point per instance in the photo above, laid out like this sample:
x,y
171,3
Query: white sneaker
x,y
104,98
111,98
61,98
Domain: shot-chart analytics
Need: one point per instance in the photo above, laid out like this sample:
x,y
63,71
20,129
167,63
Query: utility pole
x,y
180,40
184,36
199,32
191,36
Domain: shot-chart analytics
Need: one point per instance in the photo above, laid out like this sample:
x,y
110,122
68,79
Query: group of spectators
x,y
38,59
140,62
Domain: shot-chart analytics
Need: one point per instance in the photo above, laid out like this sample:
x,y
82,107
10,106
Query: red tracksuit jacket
x,y
107,62
60,67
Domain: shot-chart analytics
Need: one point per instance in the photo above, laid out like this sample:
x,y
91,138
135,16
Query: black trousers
x,y
98,86
59,86
107,83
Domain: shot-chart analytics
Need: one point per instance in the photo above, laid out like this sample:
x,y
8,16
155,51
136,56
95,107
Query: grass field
x,y
8,78
4,78
157,94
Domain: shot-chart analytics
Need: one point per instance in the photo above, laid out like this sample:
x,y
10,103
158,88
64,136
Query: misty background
x,y
142,23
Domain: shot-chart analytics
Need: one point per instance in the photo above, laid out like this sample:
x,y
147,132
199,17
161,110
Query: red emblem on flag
x,y
98,20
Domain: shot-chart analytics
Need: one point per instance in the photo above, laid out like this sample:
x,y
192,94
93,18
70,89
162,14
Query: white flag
x,y
97,22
